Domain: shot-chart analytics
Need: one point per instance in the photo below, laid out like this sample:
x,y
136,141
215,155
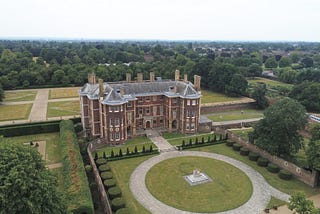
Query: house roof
x,y
132,90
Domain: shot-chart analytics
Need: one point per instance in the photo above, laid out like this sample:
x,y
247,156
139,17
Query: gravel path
x,y
261,195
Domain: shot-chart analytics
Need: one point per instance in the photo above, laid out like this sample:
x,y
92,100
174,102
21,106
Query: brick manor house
x,y
117,111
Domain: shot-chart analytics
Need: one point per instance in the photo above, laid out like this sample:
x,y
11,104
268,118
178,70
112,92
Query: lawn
x,y
165,181
214,97
138,142
63,108
236,115
122,171
16,96
270,83
53,153
176,139
243,133
59,93
289,187
14,112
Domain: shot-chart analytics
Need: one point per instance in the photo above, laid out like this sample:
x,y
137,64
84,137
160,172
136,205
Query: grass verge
x,y
63,108
17,96
236,115
15,112
214,97
59,93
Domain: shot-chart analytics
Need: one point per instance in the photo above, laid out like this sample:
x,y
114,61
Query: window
x,y
188,113
187,126
188,102
161,121
155,110
111,122
161,98
129,104
194,102
193,113
174,113
154,122
147,110
147,98
117,121
161,110
140,110
117,135
174,101
154,98
192,126
140,100
114,108
140,122
111,137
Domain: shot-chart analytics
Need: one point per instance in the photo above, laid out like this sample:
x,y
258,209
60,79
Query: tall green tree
x,y
271,63
285,62
259,95
26,186
278,133
1,93
308,94
313,150
301,205
237,86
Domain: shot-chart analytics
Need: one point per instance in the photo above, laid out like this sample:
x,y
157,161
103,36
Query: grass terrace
x,y
236,115
176,139
63,108
59,93
17,96
138,142
269,82
243,133
165,182
214,97
15,112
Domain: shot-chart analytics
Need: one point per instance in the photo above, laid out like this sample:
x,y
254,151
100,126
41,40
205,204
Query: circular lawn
x,y
229,189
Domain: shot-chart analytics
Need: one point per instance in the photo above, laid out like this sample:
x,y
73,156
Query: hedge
x,y
117,203
284,174
236,147
253,156
114,192
123,211
108,183
101,161
244,151
140,154
75,182
104,168
188,146
230,143
106,175
273,168
262,162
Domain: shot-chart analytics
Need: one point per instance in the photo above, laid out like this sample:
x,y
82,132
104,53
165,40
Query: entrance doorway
x,y
148,124
174,124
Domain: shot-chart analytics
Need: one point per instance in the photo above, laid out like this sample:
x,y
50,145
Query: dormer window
x,y
171,88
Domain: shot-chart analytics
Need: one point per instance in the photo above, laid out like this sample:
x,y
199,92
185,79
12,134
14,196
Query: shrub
x,y
190,142
135,150
82,209
236,147
202,140
284,174
88,168
151,148
120,152
244,151
215,138
96,156
106,175
273,168
109,183
196,142
183,143
143,149
104,167
262,162
101,161
112,154
229,143
128,151
104,155
117,203
208,141
114,192
123,211
253,156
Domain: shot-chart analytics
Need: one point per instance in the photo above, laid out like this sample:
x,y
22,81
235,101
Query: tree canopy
x,y
301,205
313,150
26,186
259,95
278,133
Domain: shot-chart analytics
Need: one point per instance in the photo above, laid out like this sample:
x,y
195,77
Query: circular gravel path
x,y
261,194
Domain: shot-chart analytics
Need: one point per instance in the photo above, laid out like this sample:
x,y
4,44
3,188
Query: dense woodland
x,y
224,66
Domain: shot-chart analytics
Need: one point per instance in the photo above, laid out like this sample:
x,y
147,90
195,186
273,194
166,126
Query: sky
x,y
236,20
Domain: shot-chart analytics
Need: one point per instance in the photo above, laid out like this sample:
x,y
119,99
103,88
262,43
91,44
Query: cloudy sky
x,y
271,20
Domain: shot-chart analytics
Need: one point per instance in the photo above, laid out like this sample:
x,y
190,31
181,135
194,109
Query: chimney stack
x,y
92,78
177,75
121,91
197,81
140,77
151,76
185,78
128,77
101,91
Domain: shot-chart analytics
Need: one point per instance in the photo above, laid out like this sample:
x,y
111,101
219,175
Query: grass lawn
x,y
58,173
289,187
53,152
14,112
59,93
236,115
275,202
270,83
165,181
16,96
243,133
214,97
131,144
63,108
176,139
122,171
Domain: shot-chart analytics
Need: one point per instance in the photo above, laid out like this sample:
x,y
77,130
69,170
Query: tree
x,y
26,185
1,93
301,205
308,94
278,133
271,62
285,62
259,95
237,86
313,150
307,62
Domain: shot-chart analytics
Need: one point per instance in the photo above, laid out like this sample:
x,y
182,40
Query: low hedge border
x,y
236,147
133,155
200,145
114,192
123,211
106,175
104,168
273,168
253,156
284,174
262,162
244,151
117,203
108,183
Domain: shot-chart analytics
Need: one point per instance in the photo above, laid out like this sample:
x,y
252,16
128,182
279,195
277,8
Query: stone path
x,y
162,144
261,195
39,107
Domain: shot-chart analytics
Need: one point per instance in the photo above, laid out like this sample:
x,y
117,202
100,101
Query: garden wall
x,y
309,178
212,108
103,195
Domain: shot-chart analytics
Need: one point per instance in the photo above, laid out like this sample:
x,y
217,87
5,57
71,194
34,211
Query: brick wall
x,y
212,108
309,178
